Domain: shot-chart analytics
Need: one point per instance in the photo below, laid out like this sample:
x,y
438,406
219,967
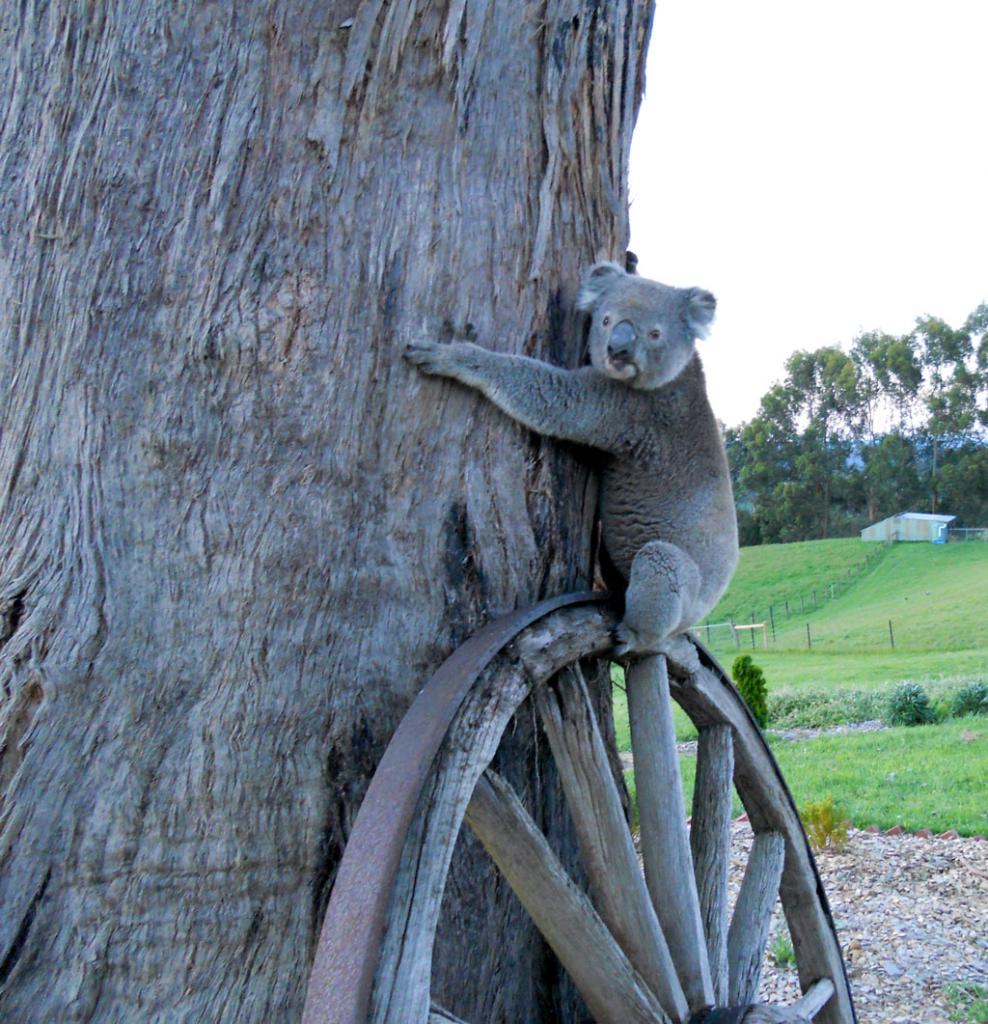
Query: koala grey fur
x,y
667,510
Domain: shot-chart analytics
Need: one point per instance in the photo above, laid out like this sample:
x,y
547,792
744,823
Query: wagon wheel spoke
x,y
752,915
616,881
801,1012
710,843
815,998
613,990
664,837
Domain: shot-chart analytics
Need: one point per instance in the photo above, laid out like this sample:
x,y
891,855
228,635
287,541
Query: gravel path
x,y
688,747
912,915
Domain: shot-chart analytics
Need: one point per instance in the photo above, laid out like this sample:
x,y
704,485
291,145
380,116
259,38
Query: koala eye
x,y
606,321
655,334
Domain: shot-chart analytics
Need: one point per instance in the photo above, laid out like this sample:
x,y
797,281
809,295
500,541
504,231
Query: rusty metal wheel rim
x,y
343,977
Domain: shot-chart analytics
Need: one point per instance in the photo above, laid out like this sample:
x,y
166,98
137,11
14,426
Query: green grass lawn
x,y
933,776
786,670
929,776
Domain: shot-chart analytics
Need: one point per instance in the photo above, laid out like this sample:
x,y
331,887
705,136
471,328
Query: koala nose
x,y
622,338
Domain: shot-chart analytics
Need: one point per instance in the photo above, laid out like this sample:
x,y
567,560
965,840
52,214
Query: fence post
x,y
802,605
771,615
809,642
708,634
787,608
891,635
752,631
814,599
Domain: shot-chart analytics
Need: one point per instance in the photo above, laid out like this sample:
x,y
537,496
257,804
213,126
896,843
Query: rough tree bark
x,y
236,531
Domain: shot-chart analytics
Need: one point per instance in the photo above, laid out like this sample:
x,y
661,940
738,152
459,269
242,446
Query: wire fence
x,y
726,637
783,622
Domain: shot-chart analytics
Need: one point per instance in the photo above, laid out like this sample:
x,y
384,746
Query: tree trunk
x,y
934,479
236,531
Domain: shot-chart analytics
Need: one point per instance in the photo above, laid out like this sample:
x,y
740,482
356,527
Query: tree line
x,y
897,423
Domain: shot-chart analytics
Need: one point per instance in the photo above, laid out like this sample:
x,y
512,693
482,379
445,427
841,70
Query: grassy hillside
x,y
935,595
774,573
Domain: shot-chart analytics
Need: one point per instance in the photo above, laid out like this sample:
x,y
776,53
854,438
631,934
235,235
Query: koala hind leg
x,y
659,602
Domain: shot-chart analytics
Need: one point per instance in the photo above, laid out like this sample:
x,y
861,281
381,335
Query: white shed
x,y
915,526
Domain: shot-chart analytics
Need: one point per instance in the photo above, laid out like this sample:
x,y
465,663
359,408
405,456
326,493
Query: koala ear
x,y
700,309
595,281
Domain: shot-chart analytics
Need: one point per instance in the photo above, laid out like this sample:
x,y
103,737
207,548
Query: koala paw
x,y
428,356
625,641
629,643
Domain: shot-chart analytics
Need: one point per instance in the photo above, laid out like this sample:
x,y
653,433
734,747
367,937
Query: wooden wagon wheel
x,y
654,947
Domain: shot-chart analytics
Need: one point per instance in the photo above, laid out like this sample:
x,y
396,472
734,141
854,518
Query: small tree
x,y
751,684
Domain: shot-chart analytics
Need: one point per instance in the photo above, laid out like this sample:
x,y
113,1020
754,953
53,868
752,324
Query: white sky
x,y
822,168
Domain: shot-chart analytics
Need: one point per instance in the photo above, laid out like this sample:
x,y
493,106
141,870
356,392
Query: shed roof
x,y
924,515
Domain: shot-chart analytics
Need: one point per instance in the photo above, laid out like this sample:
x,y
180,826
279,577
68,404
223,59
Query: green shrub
x,y
781,951
941,709
908,704
751,684
970,700
820,709
825,824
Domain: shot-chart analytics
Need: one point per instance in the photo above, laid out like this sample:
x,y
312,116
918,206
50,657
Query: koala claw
x,y
424,354
625,641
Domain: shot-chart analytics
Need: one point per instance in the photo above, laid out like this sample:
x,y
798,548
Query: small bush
x,y
752,686
908,704
820,709
825,825
970,700
781,951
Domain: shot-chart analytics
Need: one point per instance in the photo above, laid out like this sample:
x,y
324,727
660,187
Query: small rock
x,y
895,830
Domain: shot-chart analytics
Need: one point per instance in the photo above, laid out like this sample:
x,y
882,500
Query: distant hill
x,y
935,595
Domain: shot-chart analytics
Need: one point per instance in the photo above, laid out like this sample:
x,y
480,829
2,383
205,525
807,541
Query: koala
x,y
667,510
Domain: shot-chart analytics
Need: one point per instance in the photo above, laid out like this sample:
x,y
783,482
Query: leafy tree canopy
x,y
897,422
